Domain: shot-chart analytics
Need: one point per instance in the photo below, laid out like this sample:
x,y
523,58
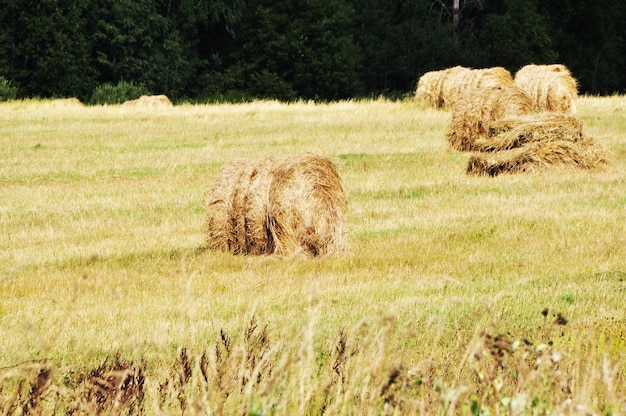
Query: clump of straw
x,y
540,156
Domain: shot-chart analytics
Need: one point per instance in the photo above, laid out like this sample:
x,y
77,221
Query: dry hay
x,y
443,88
514,132
551,87
150,101
540,156
470,81
278,205
476,112
431,87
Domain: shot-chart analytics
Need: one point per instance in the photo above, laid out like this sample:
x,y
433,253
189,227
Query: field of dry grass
x,y
458,294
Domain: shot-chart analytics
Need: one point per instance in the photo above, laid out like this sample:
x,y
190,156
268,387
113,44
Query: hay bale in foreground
x,y
445,87
308,207
278,205
150,101
477,111
551,87
540,156
514,132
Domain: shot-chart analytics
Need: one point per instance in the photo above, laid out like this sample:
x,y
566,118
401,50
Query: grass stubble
x,y
458,295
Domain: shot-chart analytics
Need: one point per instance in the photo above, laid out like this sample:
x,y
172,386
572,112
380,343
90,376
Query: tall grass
x,y
458,294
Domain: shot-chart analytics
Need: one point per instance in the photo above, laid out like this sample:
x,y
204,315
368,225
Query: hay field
x,y
458,294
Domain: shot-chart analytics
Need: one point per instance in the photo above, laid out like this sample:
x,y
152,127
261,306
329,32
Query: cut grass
x,y
101,256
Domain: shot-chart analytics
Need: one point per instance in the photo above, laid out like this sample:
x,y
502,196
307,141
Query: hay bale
x,y
66,102
433,86
277,206
514,132
150,101
551,87
540,156
477,111
461,83
308,207
443,88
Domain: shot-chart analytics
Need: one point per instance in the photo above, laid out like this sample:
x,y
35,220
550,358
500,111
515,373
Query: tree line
x,y
297,49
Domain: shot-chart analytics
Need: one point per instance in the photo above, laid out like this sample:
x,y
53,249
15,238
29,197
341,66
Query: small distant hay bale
x,y
515,132
278,205
551,87
478,110
150,101
540,156
443,88
66,102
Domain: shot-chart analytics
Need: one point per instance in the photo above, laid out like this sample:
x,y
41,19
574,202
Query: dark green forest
x,y
201,50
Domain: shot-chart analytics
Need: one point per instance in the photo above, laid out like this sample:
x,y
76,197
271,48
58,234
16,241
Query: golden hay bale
x,y
277,206
443,88
467,81
514,132
477,111
308,207
540,156
150,101
551,87
432,87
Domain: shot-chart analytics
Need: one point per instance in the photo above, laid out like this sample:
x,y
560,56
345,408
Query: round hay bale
x,y
478,109
308,207
464,81
551,87
433,88
150,101
514,132
540,156
277,205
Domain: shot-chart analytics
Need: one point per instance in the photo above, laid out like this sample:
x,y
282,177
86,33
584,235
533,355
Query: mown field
x,y
458,294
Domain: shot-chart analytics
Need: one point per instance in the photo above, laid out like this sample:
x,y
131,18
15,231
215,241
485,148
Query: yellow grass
x,y
101,253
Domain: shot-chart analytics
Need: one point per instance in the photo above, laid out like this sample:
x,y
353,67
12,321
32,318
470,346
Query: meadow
x,y
458,294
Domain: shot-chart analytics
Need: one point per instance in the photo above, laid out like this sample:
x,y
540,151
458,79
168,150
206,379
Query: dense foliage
x,y
310,49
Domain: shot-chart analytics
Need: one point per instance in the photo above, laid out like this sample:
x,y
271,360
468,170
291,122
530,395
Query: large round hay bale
x,y
308,207
433,87
551,87
277,205
540,156
461,83
443,88
514,132
150,101
478,109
